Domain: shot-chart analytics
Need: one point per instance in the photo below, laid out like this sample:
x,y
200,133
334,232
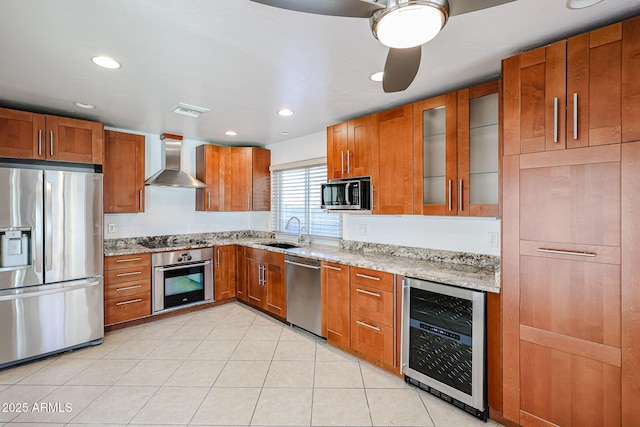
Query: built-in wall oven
x,y
443,343
181,278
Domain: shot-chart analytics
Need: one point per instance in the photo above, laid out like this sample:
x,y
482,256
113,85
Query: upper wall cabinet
x,y
456,141
574,93
45,137
391,155
349,149
210,162
238,177
123,172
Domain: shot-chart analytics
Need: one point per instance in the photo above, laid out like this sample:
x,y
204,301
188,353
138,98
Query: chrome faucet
x,y
286,227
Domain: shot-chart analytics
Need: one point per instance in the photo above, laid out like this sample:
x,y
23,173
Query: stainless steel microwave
x,y
355,194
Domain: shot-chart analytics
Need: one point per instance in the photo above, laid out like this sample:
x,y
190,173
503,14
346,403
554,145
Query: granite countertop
x,y
481,272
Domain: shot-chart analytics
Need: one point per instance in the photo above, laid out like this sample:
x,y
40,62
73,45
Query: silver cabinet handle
x,y
373,294
375,328
450,189
218,257
128,288
565,252
209,200
364,276
133,301
39,142
348,162
140,200
330,267
264,276
575,115
128,260
342,162
301,265
460,195
51,143
133,273
555,119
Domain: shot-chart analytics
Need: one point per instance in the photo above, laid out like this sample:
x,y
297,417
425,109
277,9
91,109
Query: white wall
x,y
172,210
447,233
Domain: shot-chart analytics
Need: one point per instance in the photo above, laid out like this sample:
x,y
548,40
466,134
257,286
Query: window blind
x,y
296,192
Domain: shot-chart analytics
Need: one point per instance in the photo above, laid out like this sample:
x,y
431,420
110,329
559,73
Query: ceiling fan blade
x,y
458,7
401,68
348,8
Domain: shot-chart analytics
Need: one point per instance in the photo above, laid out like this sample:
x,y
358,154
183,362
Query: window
x,y
296,192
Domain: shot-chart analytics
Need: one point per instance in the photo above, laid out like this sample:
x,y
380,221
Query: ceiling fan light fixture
x,y
409,23
581,4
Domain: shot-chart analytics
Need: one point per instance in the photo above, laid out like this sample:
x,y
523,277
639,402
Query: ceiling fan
x,y
402,25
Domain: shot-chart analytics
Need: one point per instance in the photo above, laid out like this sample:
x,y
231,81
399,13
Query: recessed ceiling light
x,y
376,77
581,4
231,133
84,105
285,132
189,110
285,112
106,62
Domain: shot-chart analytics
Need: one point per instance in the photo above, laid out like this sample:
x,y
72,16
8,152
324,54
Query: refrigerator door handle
x,y
48,226
28,293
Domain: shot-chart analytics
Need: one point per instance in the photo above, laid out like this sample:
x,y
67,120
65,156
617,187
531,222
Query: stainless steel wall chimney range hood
x,y
171,175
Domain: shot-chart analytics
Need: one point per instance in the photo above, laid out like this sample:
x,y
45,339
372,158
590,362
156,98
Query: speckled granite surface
x,y
473,271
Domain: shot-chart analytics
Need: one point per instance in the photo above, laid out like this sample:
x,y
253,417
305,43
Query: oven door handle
x,y
178,267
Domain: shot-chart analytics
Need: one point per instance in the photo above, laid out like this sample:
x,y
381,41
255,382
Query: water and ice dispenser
x,y
14,247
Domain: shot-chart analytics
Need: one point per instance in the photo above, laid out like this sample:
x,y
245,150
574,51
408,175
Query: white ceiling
x,y
244,61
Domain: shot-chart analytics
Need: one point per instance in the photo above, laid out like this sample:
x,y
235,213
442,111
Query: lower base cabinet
x,y
359,313
127,288
264,281
225,274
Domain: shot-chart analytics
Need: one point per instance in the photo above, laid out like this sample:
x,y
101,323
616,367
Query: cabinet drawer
x,y
125,289
372,278
372,339
372,303
127,274
126,261
118,310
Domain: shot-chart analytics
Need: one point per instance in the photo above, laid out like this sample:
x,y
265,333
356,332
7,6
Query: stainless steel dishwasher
x,y
304,304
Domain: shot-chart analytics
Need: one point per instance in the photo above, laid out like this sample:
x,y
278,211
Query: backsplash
x,y
186,238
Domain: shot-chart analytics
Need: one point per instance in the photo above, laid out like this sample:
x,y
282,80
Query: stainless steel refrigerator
x,y
51,262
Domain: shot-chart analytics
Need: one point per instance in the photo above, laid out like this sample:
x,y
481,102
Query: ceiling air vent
x,y
189,110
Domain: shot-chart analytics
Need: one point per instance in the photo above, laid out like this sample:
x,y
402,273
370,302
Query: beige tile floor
x,y
225,366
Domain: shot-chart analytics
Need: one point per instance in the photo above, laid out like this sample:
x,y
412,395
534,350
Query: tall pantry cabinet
x,y
570,288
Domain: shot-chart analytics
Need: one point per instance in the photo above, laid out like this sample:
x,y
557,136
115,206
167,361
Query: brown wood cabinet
x,y
210,169
349,149
45,137
373,315
574,93
264,274
561,287
127,287
456,152
391,166
238,177
247,179
336,307
123,170
225,273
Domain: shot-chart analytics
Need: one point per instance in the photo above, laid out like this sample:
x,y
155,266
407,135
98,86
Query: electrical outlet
x,y
363,229
493,239
111,228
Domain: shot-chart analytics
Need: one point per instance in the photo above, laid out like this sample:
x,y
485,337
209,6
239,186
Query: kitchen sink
x,y
280,245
